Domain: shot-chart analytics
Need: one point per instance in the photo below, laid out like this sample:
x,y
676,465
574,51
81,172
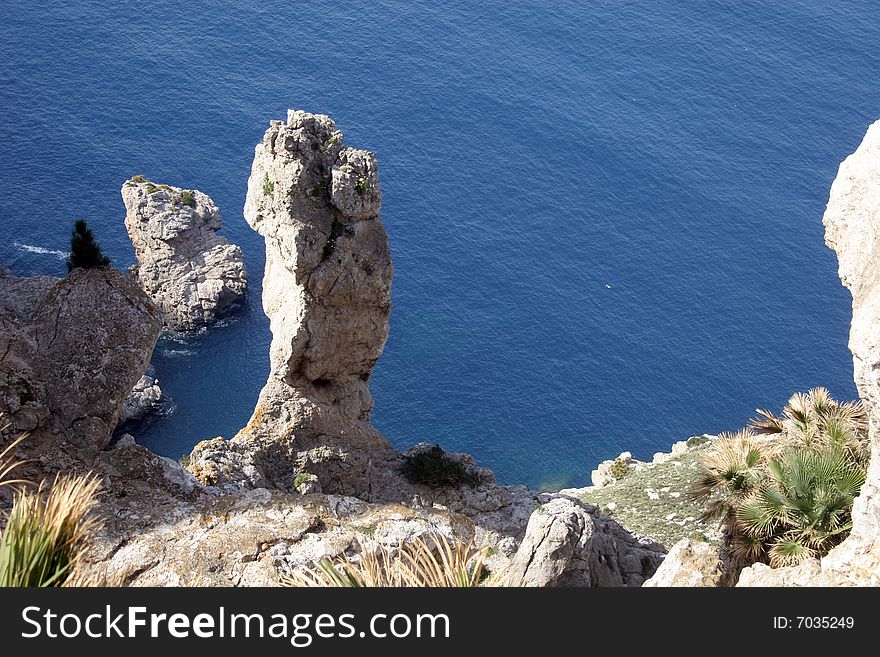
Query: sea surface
x,y
605,217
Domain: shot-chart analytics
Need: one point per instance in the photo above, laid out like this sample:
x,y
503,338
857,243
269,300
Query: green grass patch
x,y
187,198
320,188
668,518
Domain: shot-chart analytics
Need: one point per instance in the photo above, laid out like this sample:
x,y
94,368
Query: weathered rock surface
x,y
189,271
808,573
852,229
146,397
165,528
327,293
70,351
309,476
689,563
555,550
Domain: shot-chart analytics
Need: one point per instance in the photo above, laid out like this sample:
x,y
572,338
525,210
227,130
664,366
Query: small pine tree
x,y
84,251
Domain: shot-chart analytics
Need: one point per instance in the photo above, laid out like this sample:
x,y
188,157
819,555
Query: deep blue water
x,y
605,216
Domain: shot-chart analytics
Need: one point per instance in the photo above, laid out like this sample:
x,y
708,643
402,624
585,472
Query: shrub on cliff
x,y
435,468
786,496
84,251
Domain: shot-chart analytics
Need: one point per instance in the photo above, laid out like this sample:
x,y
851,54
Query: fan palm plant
x,y
786,495
729,472
802,508
815,420
46,531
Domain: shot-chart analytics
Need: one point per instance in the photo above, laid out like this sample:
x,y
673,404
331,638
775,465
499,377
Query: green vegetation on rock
x,y
787,495
652,501
187,198
434,467
84,251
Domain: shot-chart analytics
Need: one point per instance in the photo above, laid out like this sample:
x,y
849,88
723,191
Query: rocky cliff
x,y
189,271
327,293
852,229
70,351
308,476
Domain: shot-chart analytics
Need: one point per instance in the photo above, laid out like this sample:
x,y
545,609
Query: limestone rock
x,y
606,472
852,229
70,351
146,397
617,557
568,543
327,293
689,563
189,271
555,550
806,574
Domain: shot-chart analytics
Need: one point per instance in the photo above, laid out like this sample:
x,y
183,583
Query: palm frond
x,y
766,422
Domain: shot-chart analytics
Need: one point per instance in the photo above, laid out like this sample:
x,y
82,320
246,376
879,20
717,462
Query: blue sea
x,y
605,217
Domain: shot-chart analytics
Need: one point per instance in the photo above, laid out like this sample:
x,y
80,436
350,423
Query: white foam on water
x,y
61,255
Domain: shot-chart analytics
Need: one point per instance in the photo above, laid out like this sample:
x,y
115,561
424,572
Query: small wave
x,y
177,353
61,255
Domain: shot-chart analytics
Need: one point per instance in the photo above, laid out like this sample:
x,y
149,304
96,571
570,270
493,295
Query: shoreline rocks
x,y
145,398
189,271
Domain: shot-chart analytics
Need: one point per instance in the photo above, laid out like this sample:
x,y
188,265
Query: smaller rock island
x,y
189,271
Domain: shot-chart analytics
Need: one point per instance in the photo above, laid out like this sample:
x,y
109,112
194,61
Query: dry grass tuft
x,y
434,562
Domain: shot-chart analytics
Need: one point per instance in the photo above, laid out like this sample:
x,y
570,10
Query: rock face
x,y
327,293
852,229
70,351
189,271
555,550
166,528
146,397
309,476
567,543
688,563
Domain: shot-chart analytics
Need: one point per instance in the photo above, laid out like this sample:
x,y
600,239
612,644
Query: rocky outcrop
x,y
555,550
327,293
164,527
689,563
189,271
808,573
852,229
145,398
70,351
309,476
